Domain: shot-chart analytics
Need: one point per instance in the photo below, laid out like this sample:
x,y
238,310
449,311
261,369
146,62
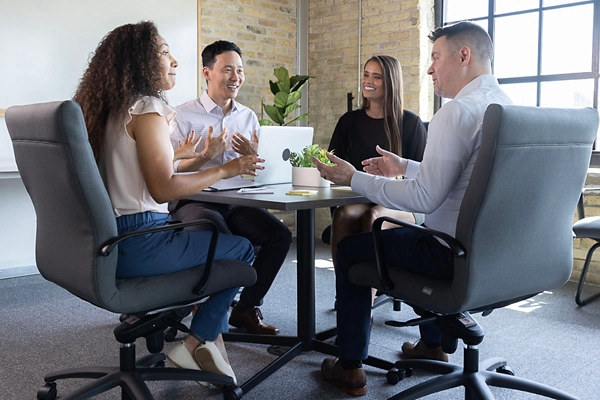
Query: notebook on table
x,y
275,145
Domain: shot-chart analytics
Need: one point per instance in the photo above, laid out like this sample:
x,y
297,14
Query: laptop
x,y
274,146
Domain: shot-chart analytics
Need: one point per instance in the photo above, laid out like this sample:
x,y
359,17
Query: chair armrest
x,y
580,207
110,244
455,246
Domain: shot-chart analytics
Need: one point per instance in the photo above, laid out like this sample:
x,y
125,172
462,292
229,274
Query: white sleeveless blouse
x,y
119,165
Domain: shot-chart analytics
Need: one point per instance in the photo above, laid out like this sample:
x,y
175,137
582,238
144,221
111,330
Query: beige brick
x,y
390,27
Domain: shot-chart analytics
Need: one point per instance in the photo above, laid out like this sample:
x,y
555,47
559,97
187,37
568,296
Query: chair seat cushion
x,y
406,284
143,294
588,227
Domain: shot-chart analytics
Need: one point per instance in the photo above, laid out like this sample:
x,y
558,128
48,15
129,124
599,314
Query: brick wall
x,y
265,30
388,27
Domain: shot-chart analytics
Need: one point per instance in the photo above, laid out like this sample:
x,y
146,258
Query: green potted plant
x,y
304,172
287,93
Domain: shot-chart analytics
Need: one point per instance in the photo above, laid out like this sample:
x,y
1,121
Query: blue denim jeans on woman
x,y
171,251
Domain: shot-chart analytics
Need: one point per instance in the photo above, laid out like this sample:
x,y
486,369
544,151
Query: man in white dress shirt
x,y
460,68
229,129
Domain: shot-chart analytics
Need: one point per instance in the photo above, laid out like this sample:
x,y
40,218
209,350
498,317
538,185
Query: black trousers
x,y
257,225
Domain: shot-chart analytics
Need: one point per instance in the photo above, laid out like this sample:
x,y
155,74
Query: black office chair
x,y
77,246
586,228
513,240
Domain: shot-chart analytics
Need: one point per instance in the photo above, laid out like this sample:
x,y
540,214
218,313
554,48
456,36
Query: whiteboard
x,y
46,45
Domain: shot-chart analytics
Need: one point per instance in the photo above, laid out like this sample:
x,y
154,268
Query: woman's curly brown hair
x,y
125,66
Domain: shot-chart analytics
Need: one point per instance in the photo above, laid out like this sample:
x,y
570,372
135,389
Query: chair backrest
x,y
516,217
75,218
74,212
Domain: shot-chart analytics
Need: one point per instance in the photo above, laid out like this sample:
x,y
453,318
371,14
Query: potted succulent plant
x,y
287,93
304,172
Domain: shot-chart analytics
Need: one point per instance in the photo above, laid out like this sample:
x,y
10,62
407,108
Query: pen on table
x,y
256,190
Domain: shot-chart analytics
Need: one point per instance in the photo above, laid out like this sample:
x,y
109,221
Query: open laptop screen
x,y
275,144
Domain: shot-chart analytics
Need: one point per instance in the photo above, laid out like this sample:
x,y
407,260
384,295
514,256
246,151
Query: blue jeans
x,y
404,248
171,251
255,224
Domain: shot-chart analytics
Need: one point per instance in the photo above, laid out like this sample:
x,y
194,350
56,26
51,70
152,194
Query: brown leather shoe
x,y
251,320
351,381
419,350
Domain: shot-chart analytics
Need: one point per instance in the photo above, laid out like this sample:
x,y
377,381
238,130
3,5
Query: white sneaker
x,y
180,357
210,359
207,358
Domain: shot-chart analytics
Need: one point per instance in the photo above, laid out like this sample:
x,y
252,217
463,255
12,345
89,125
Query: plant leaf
x,y
273,113
265,122
289,109
303,117
274,87
284,87
282,75
298,81
293,98
281,100
304,159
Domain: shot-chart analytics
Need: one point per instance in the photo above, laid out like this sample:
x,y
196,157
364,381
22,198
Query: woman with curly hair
x,y
122,97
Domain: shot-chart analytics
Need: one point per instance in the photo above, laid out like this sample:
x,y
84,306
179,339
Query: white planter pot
x,y
303,176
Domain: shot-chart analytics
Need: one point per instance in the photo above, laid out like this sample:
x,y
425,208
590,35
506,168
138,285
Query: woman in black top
x,y
381,121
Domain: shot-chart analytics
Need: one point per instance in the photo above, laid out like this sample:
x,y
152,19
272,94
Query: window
x,y
546,51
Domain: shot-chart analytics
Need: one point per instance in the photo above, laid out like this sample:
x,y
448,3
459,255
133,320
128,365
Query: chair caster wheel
x,y
395,375
47,392
233,393
506,370
170,334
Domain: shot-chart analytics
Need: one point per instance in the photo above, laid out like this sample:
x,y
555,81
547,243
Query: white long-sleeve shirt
x,y
436,185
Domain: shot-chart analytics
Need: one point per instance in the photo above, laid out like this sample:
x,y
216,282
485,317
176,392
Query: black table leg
x,y
307,339
305,230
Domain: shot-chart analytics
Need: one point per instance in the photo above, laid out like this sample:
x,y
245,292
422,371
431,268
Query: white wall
x,y
45,49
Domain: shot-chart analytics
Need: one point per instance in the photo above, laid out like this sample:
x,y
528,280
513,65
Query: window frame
x,y
539,78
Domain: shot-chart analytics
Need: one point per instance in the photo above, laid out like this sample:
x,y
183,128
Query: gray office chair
x,y
513,240
586,228
77,245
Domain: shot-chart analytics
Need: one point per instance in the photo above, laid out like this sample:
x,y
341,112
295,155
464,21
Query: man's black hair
x,y
210,52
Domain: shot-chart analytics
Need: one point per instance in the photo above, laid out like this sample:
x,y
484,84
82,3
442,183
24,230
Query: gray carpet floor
x,y
548,339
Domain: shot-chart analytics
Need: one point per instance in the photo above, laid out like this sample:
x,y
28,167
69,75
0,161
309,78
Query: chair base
x,y
131,376
584,271
382,299
474,377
